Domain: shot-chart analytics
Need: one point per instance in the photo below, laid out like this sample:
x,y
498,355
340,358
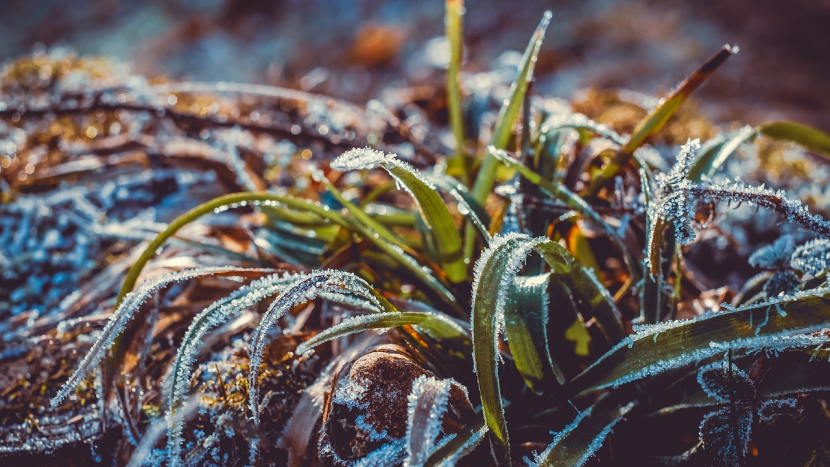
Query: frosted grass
x,y
116,324
305,289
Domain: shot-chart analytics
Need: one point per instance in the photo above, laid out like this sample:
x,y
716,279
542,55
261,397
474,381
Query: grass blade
x,y
453,21
431,206
436,325
804,135
654,121
665,346
525,326
306,288
510,111
508,114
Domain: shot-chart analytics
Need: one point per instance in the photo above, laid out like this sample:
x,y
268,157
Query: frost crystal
x,y
360,158
726,383
775,256
427,404
812,258
726,432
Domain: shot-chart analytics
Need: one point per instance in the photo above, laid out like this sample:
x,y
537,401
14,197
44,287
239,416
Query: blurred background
x,y
353,49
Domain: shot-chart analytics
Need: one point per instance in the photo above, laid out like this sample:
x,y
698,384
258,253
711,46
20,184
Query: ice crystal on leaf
x,y
725,434
775,256
812,258
360,158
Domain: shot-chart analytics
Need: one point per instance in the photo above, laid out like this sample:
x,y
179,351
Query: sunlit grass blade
x,y
454,21
525,326
510,111
431,206
573,201
657,118
666,346
580,440
435,325
714,154
494,275
376,233
505,122
467,205
798,133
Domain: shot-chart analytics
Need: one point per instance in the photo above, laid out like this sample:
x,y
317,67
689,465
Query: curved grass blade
x,y
654,121
580,440
494,274
307,288
454,20
435,325
431,206
125,311
376,233
467,205
573,201
525,326
798,133
217,313
713,154
654,349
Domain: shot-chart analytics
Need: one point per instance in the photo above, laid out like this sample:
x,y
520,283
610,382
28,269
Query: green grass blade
x,y
494,275
581,122
525,326
435,325
510,111
431,206
436,215
675,344
654,121
505,122
453,21
804,135
376,233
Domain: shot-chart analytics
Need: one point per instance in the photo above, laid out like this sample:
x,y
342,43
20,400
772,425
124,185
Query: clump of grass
x,y
520,275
